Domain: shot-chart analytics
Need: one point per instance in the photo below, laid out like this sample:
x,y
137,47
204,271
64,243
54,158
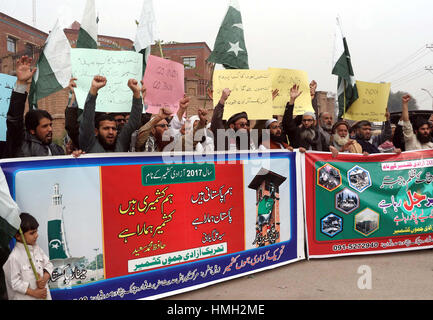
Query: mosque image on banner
x,y
267,183
68,270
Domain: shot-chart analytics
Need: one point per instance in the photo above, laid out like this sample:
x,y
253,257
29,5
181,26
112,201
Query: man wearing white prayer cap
x,y
276,139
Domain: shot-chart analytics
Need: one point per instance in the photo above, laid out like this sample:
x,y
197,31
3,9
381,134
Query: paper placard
x,y
372,102
117,66
251,91
165,83
283,80
6,86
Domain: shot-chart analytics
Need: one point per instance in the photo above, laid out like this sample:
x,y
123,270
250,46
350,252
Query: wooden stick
x,y
28,255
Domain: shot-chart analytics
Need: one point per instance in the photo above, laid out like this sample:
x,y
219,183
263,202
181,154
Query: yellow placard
x,y
251,91
372,102
283,80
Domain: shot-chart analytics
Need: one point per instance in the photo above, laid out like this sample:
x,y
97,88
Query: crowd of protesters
x,y
93,132
31,135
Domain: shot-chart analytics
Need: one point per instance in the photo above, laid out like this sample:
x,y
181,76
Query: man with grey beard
x,y
325,125
306,135
340,140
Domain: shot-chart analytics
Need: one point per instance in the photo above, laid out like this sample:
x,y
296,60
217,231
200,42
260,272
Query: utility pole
x,y
34,13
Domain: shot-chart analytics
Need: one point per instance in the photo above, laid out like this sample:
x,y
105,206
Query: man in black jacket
x,y
100,135
370,143
306,136
36,139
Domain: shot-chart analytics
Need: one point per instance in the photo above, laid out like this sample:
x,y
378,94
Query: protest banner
x,y
165,84
117,66
134,227
251,91
284,80
363,205
371,104
7,84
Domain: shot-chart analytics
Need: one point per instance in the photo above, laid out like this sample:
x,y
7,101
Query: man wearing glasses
x,y
234,134
120,119
306,135
155,135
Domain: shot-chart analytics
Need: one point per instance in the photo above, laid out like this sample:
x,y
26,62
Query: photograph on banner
x,y
68,210
360,205
284,80
7,84
237,217
251,91
371,104
117,66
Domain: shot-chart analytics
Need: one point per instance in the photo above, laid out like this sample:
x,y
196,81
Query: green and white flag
x,y
9,214
57,246
342,67
88,34
147,31
229,49
53,68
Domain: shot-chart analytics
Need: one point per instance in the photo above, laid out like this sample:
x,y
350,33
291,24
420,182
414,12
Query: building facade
x,y
18,39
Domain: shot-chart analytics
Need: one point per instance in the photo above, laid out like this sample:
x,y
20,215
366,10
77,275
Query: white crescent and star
x,y
55,244
234,47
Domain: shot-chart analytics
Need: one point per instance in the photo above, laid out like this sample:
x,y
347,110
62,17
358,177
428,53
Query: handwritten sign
x,y
372,102
251,91
6,86
117,66
283,80
164,80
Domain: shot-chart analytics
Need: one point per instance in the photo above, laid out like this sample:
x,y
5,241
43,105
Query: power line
x,y
409,63
404,63
401,83
410,74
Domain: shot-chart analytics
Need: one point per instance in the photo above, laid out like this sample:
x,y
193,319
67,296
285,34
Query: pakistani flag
x,y
147,31
342,67
56,232
229,49
53,68
88,34
9,214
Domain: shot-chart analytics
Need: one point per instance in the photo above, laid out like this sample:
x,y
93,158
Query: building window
x,y
189,62
12,45
29,50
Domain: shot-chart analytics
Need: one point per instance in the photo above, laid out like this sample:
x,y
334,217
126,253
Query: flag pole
x,y
160,48
208,85
345,102
28,254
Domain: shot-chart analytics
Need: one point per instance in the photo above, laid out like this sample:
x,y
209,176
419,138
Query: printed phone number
x,y
355,246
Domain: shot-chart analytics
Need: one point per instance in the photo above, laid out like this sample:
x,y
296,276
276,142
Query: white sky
x,y
283,34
